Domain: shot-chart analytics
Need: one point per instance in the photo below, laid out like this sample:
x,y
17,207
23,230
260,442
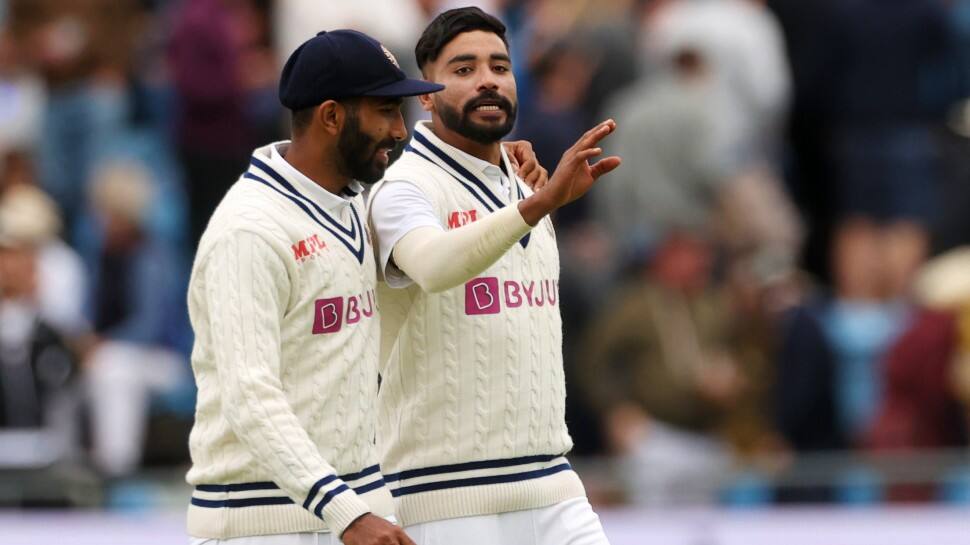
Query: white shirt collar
x,y
479,166
305,185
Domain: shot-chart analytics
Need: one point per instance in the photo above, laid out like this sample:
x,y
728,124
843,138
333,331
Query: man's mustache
x,y
489,97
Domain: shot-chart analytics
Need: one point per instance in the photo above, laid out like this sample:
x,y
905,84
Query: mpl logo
x,y
329,314
303,249
462,217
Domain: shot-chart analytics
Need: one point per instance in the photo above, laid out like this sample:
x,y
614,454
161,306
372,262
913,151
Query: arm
x,y
246,295
438,260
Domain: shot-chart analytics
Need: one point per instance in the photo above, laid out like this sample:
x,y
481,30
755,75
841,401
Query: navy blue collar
x,y
472,183
351,237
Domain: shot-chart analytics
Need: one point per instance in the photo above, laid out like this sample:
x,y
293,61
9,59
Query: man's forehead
x,y
479,43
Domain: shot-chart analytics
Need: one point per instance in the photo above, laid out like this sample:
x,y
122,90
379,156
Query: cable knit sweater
x,y
472,403
283,306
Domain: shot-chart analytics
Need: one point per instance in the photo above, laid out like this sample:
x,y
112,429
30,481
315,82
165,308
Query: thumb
x,y
605,165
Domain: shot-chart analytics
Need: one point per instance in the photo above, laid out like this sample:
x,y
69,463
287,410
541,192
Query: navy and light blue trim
x,y
399,486
352,238
284,500
472,183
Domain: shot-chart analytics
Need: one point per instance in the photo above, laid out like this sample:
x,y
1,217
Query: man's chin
x,y
371,176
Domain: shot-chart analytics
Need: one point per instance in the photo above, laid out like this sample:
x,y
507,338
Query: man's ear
x,y
427,102
330,115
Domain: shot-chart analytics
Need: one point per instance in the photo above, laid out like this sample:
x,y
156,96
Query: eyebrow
x,y
465,57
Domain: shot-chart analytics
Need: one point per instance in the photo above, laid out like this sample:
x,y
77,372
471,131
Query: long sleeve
x,y
438,260
246,291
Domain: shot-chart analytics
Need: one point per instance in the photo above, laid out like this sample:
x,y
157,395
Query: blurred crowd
x,y
779,268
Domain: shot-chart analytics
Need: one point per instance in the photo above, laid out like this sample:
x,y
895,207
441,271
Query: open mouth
x,y
489,105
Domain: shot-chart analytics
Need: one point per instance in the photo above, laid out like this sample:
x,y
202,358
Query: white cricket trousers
x,y
571,522
305,538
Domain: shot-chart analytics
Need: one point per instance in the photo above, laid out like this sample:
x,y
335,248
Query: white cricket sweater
x,y
283,306
472,403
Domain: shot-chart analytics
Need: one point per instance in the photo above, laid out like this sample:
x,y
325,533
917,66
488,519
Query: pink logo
x,y
328,315
482,296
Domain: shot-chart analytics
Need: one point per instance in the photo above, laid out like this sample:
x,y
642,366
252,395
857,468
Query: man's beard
x,y
357,152
462,124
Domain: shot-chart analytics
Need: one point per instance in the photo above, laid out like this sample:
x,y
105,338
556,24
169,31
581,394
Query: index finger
x,y
594,135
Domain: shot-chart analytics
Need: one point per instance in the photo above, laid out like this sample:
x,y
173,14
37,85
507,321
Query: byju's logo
x,y
329,315
481,296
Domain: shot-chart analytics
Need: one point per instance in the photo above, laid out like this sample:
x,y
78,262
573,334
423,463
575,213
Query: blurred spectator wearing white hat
x,y
36,366
28,215
135,311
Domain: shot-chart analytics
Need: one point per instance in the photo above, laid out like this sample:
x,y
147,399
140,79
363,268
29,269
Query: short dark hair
x,y
451,23
301,119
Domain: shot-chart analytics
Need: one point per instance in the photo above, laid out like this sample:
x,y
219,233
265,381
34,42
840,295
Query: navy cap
x,y
343,64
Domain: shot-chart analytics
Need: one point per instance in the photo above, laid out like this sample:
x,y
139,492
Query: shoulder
x,y
246,215
412,167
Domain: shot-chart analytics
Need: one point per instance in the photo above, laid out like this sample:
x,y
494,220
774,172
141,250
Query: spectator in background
x,y
677,162
37,370
22,98
81,49
59,272
661,367
743,46
859,330
397,22
219,71
921,408
138,317
885,153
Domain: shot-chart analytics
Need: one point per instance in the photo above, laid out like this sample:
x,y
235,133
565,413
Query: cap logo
x,y
390,57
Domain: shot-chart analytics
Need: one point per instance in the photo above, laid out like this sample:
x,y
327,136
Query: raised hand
x,y
573,177
373,530
526,164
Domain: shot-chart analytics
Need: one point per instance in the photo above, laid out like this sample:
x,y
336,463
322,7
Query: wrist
x,y
534,208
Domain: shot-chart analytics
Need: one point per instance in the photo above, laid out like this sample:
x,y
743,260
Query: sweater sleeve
x,y
247,286
438,260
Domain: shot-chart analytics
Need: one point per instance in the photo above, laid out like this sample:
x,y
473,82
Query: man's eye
x,y
501,68
463,70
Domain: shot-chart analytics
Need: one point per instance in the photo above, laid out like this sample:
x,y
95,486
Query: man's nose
x,y
487,80
398,130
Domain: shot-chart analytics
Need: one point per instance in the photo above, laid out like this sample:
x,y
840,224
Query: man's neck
x,y
321,169
491,153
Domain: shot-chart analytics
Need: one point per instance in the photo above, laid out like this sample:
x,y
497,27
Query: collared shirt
x,y
326,199
494,174
400,207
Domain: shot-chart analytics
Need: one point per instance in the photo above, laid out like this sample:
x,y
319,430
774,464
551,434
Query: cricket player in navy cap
x,y
283,306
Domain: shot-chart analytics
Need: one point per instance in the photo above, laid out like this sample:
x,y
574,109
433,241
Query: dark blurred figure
x,y
810,33
222,69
